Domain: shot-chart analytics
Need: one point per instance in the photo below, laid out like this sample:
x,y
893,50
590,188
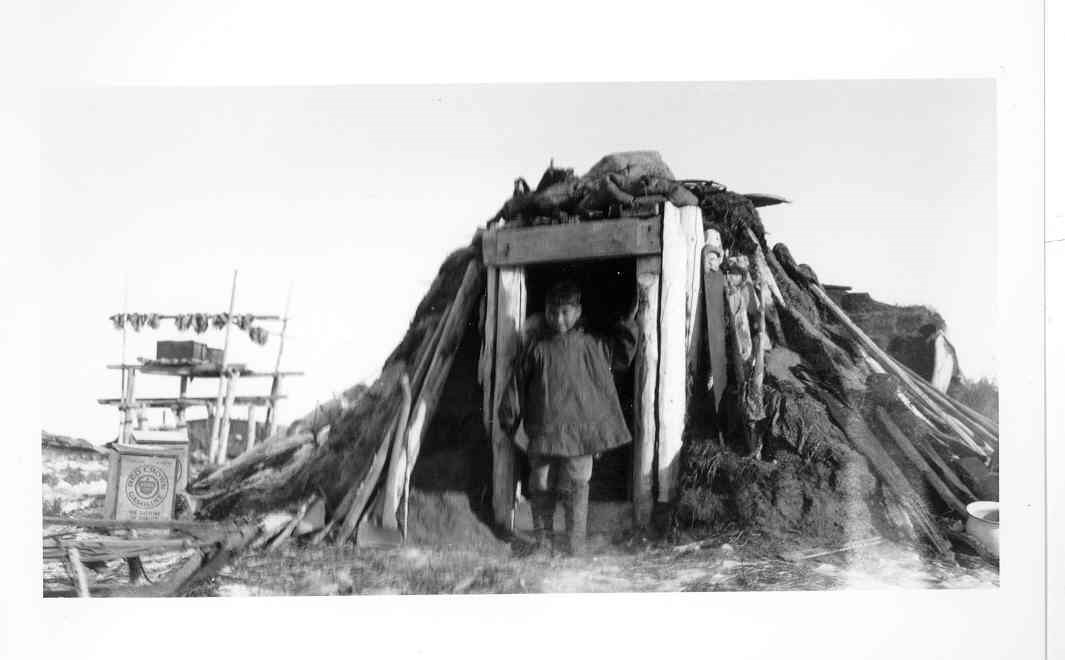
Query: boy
x,y
563,389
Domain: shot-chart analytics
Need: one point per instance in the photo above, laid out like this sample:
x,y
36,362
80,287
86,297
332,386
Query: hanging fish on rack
x,y
258,335
244,321
118,320
183,322
153,321
201,323
136,321
219,321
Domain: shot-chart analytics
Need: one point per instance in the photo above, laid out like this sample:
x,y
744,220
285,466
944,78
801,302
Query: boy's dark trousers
x,y
567,477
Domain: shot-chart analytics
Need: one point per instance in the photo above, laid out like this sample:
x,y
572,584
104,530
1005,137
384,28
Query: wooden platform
x,y
187,401
197,369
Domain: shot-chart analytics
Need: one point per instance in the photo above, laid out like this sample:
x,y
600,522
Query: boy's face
x,y
561,317
713,260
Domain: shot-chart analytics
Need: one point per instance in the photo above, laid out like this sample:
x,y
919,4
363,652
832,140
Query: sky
x,y
354,195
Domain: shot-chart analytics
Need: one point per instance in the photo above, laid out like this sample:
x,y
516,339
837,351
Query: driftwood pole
x,y
673,351
180,411
227,412
487,366
275,382
216,424
250,432
648,276
398,461
510,316
127,414
129,396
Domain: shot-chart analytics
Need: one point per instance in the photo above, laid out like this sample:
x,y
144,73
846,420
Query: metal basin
x,y
982,524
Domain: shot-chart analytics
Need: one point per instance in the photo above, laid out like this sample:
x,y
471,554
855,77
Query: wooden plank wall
x,y
625,237
510,317
648,277
682,243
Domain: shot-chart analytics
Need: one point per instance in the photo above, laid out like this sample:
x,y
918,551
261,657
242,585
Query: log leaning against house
x,y
392,490
409,439
866,442
919,462
964,434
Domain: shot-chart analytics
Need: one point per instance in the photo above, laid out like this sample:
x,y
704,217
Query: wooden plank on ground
x,y
648,277
572,242
192,526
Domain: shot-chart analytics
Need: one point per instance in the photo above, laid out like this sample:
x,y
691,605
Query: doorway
x,y
608,288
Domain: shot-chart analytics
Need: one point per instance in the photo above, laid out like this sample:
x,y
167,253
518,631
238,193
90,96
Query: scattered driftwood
x,y
208,540
855,545
286,533
191,526
77,571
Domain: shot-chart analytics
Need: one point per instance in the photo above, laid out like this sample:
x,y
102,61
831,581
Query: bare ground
x,y
732,560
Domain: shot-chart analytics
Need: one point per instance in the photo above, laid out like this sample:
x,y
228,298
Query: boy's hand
x,y
634,306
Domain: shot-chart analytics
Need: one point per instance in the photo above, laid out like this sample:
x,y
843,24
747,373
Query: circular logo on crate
x,y
146,487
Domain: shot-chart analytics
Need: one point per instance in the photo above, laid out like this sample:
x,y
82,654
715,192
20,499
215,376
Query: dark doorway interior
x,y
608,288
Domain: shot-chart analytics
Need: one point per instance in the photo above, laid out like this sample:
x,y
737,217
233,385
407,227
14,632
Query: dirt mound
x,y
824,496
445,519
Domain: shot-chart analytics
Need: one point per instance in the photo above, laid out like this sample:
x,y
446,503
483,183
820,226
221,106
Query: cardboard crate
x,y
180,350
141,483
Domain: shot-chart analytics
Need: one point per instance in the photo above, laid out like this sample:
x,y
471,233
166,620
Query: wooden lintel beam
x,y
624,237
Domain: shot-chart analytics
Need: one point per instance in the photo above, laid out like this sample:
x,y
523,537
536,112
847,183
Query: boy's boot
x,y
543,515
754,441
576,504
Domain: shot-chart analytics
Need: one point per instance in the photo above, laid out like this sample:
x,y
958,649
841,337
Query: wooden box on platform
x,y
141,483
181,350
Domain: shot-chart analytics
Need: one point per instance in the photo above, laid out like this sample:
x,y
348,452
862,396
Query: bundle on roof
x,y
627,184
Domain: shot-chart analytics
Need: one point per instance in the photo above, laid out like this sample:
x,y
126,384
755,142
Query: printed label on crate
x,y
146,488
